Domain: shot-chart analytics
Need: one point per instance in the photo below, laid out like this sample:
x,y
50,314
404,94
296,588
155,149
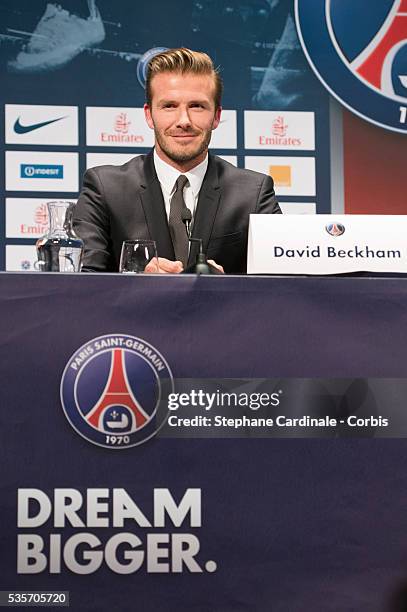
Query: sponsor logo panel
x,y
27,217
117,127
20,258
279,130
225,135
114,159
291,175
41,171
42,125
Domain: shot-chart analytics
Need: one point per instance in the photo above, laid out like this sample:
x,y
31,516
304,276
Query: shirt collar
x,y
167,175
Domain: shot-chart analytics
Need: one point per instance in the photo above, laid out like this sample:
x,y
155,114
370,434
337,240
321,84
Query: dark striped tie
x,y
178,229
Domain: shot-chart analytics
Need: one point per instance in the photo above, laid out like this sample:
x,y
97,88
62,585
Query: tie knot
x,y
181,182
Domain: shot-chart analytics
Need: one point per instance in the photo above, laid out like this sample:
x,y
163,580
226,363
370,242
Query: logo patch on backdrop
x,y
41,171
358,50
24,129
121,123
281,175
38,124
279,127
143,63
114,390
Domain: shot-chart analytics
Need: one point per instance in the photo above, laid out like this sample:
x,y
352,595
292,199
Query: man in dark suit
x,y
152,196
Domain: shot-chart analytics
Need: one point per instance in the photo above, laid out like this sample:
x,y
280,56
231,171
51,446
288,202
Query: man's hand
x,y
165,266
217,266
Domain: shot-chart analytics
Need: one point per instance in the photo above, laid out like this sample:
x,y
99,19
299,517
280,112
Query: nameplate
x,y
327,244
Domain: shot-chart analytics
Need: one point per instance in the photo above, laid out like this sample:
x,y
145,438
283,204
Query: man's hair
x,y
184,60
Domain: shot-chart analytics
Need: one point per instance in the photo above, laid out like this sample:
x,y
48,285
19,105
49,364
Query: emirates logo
x,y
121,123
279,128
41,215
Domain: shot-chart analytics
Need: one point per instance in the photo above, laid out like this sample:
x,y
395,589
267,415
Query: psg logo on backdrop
x,y
114,390
358,49
142,64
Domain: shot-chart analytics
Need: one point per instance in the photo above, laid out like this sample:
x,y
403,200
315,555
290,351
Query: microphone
x,y
201,266
186,217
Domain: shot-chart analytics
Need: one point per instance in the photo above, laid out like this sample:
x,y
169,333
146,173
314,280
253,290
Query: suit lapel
x,y
206,209
154,210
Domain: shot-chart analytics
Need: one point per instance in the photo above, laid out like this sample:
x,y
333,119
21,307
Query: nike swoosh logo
x,y
24,129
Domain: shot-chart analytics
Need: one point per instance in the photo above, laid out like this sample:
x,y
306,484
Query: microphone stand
x,y
201,266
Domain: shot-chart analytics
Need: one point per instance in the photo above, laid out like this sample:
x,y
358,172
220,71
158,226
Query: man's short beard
x,y
182,156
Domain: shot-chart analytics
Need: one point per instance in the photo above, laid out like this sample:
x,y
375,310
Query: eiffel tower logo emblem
x,y
374,63
117,410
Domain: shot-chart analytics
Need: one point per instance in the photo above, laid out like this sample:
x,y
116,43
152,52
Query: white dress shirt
x,y
167,175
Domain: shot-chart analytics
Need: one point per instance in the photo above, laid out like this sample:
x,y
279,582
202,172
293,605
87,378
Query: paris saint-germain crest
x,y
335,229
358,50
114,390
143,63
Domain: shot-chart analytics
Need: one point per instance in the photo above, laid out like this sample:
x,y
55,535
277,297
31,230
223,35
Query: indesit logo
x,y
113,391
41,171
359,52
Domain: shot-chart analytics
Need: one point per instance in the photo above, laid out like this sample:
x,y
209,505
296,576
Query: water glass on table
x,y
136,255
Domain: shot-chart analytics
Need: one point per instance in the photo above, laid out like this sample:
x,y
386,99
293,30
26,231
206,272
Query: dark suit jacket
x,y
125,203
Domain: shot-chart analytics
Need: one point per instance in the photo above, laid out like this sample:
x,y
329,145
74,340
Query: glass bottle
x,y
60,250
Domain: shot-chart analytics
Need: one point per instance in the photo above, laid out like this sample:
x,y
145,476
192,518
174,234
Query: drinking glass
x,y
135,256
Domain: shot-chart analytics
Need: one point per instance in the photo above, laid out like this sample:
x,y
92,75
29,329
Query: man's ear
x,y
216,119
147,115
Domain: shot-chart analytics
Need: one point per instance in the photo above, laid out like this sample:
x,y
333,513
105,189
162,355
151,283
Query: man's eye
x,y
169,105
197,105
